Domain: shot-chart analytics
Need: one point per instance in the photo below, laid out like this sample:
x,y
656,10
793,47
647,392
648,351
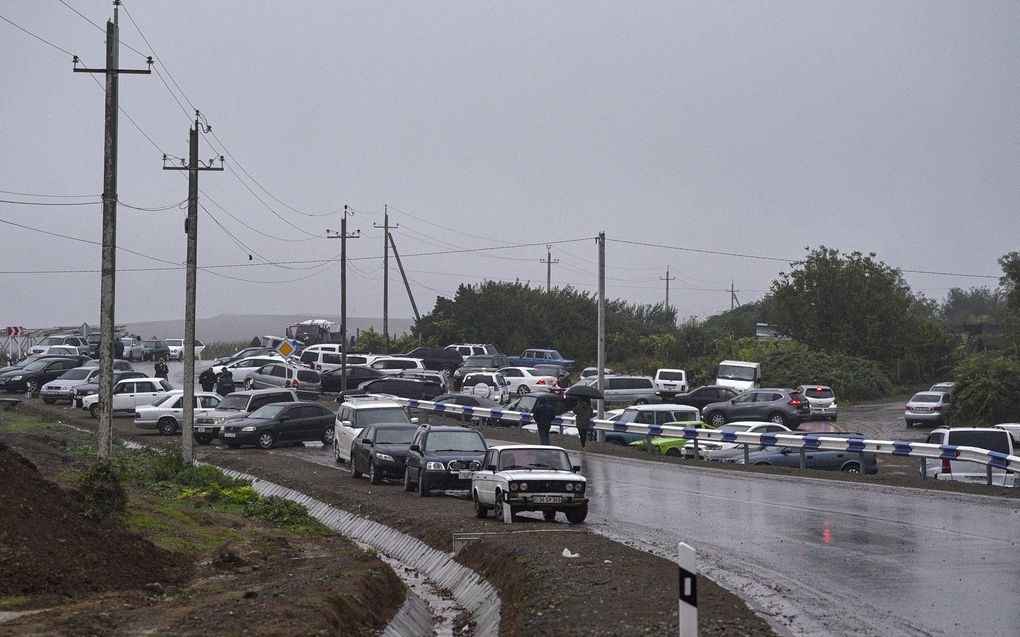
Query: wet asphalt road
x,y
818,556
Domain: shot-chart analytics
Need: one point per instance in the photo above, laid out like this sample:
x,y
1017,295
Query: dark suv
x,y
781,406
435,358
437,455
479,363
155,350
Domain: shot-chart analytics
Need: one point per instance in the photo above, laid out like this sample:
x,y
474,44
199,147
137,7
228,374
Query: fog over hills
x,y
235,328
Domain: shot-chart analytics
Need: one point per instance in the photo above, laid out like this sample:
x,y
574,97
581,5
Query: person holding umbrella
x,y
582,417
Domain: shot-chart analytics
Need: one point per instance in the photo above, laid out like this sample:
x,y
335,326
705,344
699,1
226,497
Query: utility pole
x,y
386,275
733,296
407,286
343,236
601,240
191,286
667,280
107,294
548,261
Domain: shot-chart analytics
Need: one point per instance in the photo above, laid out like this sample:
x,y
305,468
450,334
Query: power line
x,y
154,209
33,194
51,203
85,18
37,37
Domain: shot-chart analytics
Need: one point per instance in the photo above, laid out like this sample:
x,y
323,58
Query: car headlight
x,y
524,486
219,421
475,465
513,486
455,465
384,457
570,486
15,378
579,487
248,428
434,466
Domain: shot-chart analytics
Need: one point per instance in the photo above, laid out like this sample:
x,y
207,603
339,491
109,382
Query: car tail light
x,y
318,366
541,381
795,401
946,467
294,383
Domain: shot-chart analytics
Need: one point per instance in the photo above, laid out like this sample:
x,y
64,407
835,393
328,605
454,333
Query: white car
x,y
1014,430
529,478
130,393
671,381
524,380
358,412
166,412
706,448
489,385
395,365
63,387
63,350
245,367
991,438
176,346
133,348
821,399
80,345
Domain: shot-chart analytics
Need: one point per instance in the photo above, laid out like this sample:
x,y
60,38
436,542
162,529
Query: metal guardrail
x,y
807,441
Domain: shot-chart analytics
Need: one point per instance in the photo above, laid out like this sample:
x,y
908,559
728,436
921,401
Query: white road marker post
x,y
687,559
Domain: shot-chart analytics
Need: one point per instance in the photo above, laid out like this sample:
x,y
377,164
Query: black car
x,y
81,391
155,350
437,455
438,359
242,353
381,451
413,388
280,422
782,406
700,397
478,363
561,404
468,400
33,358
33,376
356,374
93,341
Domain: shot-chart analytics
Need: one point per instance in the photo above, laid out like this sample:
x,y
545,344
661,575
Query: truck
x,y
740,375
532,357
314,331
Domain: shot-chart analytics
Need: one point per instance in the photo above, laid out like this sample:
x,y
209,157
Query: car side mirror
x,y
416,448
491,468
345,423
576,468
414,421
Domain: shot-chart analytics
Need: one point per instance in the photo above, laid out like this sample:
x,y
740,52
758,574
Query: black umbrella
x,y
584,391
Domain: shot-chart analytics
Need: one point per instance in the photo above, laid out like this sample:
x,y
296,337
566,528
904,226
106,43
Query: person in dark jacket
x,y
582,417
162,370
207,379
224,383
543,414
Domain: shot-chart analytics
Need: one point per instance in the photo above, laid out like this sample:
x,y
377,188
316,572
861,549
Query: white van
x,y
740,375
673,381
992,439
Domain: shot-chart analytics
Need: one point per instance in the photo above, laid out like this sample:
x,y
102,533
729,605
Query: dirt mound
x,y
47,545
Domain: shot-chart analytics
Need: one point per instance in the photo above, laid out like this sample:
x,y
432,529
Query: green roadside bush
x,y
987,391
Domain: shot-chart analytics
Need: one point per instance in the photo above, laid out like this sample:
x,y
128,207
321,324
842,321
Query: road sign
x,y
286,348
688,591
15,331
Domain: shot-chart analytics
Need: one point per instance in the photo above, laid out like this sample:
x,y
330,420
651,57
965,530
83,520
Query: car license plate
x,y
920,409
465,474
229,435
547,499
669,385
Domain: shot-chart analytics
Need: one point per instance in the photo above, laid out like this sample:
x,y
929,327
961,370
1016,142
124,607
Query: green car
x,y
670,446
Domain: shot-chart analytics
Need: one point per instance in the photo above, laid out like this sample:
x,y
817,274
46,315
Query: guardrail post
x,y
803,463
747,454
648,442
687,559
924,467
697,454
988,470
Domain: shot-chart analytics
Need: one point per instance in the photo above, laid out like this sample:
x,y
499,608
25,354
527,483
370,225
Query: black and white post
x,y
687,559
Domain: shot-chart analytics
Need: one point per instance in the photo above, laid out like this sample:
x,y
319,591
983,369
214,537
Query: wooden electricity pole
x,y
343,236
548,261
386,275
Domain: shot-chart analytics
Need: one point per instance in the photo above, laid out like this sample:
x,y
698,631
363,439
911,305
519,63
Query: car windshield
x,y
735,372
150,344
368,417
480,361
629,415
271,410
553,459
164,399
484,379
51,340
991,440
76,374
234,401
926,398
454,441
818,392
671,376
175,342
394,436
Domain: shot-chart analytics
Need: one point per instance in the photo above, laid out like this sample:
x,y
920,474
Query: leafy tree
x,y
970,306
987,391
1009,283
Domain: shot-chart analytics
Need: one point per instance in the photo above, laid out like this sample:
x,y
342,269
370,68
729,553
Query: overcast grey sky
x,y
752,128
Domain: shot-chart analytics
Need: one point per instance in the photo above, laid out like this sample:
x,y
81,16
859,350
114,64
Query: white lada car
x,y
529,478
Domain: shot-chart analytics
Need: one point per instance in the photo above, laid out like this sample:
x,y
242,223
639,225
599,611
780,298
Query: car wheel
x,y
481,511
852,467
373,475
673,452
408,485
266,440
549,515
327,435
833,419
354,466
576,515
423,486
778,419
499,508
94,410
909,424
641,401
167,426
523,389
249,383
202,439
48,400
33,386
717,419
617,442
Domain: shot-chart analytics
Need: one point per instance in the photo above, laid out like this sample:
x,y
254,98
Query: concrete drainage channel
x,y
424,570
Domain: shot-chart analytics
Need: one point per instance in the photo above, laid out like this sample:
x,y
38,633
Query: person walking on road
x,y
582,417
224,383
207,379
162,371
543,415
